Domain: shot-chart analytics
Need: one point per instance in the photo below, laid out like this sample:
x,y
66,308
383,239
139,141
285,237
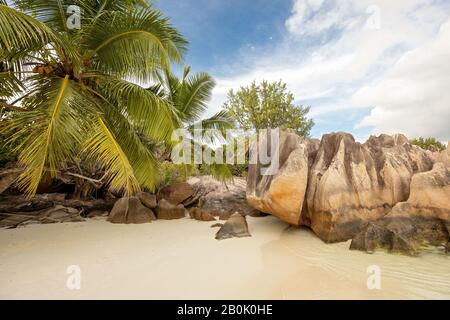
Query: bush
x,y
431,144
172,173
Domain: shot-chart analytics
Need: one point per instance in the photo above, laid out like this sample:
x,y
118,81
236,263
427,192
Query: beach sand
x,y
180,259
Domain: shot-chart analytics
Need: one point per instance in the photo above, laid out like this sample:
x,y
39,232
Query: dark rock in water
x,y
220,199
130,210
169,211
176,193
423,219
200,214
148,199
236,226
377,236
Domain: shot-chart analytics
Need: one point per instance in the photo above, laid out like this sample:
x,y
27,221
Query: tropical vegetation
x,y
75,98
268,105
431,143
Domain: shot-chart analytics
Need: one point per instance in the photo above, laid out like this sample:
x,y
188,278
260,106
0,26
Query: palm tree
x,y
189,96
75,92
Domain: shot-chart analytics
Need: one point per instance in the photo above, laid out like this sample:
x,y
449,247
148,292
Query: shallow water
x,y
180,259
341,273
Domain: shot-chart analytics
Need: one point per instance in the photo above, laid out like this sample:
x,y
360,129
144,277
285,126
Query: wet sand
x,y
181,260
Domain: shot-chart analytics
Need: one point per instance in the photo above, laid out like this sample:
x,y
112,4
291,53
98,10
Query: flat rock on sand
x,y
236,226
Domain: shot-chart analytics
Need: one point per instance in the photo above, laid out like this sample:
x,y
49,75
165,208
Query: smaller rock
x,y
130,210
200,214
59,214
169,211
236,226
217,225
148,199
13,221
176,193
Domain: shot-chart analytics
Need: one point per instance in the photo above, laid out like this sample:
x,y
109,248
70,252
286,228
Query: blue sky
x,y
364,66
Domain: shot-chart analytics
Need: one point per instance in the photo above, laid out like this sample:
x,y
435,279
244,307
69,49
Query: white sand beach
x,y
181,260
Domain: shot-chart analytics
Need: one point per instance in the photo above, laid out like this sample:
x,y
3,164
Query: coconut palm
x,y
189,96
75,93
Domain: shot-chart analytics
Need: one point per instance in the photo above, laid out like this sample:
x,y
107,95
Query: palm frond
x,y
20,32
128,162
10,85
194,95
148,111
48,133
134,43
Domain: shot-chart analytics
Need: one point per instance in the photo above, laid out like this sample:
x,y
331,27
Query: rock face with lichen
x,y
423,219
283,193
350,183
342,187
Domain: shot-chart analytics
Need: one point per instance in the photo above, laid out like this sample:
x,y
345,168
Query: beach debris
x,y
130,210
169,211
236,226
56,214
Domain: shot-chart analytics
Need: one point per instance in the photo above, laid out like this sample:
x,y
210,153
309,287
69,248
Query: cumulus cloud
x,y
345,55
415,97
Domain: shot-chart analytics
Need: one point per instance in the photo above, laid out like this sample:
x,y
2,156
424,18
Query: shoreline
x,y
180,259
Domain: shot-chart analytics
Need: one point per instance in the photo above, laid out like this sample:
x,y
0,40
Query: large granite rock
x,y
130,210
351,183
336,188
423,219
218,198
282,194
236,226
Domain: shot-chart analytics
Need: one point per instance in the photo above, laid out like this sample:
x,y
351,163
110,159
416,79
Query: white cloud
x,y
415,97
331,53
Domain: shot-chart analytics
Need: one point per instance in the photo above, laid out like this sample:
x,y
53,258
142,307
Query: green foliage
x,y
72,89
189,96
429,144
172,173
7,154
267,106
